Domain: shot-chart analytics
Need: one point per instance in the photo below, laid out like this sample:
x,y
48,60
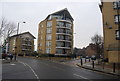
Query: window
x,y
60,24
49,30
49,23
116,18
68,25
117,35
48,50
59,51
48,37
60,30
60,44
115,5
48,43
60,37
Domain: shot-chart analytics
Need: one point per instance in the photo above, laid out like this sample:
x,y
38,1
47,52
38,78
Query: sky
x,y
86,14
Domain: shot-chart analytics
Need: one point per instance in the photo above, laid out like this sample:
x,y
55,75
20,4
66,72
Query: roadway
x,y
44,69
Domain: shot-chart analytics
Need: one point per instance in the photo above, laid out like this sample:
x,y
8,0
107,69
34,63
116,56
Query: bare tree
x,y
7,29
2,26
98,41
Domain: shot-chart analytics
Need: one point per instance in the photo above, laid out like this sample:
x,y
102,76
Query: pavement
x,y
88,65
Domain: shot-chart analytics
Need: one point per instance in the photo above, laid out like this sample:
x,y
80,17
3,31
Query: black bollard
x,y
81,62
89,59
93,63
85,60
114,67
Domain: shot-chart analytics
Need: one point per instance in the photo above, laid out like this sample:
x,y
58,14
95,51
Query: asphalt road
x,y
43,69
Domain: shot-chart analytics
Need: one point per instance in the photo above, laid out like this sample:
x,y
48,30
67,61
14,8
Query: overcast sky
x,y
86,14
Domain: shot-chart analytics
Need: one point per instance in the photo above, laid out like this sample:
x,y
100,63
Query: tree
x,y
98,41
7,29
2,26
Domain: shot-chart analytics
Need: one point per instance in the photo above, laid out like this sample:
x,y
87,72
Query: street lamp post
x,y
16,39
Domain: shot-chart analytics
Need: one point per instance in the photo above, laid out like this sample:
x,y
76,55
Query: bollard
x,y
81,62
93,63
85,60
103,65
89,59
114,67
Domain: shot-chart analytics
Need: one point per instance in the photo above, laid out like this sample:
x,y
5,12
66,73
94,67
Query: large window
x,y
116,18
49,24
59,51
48,43
115,4
60,23
48,37
60,44
60,30
117,35
68,25
49,30
48,50
60,37
64,24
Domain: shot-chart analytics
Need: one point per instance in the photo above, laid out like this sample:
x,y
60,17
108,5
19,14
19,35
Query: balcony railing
x,y
63,47
113,47
64,20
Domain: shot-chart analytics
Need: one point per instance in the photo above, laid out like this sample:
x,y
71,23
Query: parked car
x,y
93,57
87,57
4,56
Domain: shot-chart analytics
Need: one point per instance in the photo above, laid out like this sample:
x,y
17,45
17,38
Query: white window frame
x,y
48,43
49,24
48,50
49,30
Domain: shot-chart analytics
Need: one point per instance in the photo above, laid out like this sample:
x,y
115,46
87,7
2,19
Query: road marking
x,y
31,69
12,64
80,76
23,63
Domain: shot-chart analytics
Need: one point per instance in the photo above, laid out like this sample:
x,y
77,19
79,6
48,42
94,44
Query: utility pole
x,y
16,47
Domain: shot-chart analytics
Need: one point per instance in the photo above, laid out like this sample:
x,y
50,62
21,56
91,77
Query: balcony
x,y
64,32
113,47
62,51
64,20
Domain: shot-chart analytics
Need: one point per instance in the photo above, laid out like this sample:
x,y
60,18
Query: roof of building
x,y
65,10
22,34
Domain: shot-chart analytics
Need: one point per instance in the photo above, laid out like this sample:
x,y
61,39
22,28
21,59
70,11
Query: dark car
x,y
93,57
87,57
9,55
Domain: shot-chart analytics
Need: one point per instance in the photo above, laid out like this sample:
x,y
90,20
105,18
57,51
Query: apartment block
x,y
55,34
110,12
21,44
